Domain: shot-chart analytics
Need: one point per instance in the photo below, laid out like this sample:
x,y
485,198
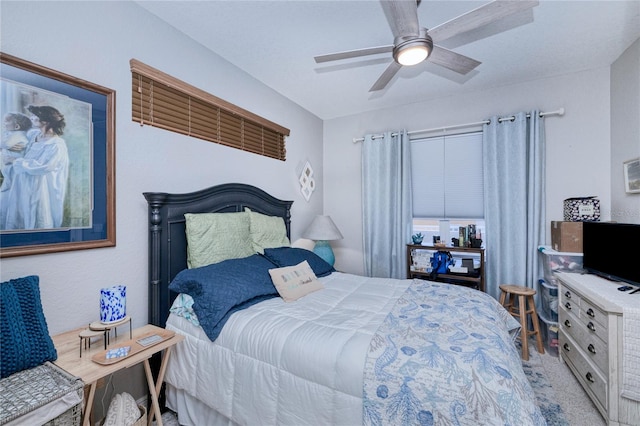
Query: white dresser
x,y
591,341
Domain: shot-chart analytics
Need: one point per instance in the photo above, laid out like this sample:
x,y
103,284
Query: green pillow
x,y
267,231
214,237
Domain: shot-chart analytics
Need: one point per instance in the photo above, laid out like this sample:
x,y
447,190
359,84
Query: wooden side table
x,y
91,372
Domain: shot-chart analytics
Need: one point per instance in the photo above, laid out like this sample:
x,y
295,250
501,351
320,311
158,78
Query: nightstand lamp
x,y
322,230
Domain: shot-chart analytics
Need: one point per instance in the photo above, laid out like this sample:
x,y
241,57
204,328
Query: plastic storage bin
x,y
557,261
548,300
549,331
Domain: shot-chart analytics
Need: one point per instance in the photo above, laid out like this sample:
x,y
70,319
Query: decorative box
x,y
582,209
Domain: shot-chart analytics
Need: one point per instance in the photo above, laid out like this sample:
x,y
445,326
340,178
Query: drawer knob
x,y
591,327
567,294
567,305
591,313
591,348
589,377
567,347
567,323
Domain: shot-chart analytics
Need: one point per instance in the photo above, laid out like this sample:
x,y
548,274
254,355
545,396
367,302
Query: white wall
x,y
578,145
94,41
625,131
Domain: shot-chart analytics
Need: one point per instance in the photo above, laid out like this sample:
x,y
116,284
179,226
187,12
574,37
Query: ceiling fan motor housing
x,y
404,44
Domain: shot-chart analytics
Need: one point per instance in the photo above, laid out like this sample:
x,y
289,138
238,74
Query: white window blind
x,y
447,176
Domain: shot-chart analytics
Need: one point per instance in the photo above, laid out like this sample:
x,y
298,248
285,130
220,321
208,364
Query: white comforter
x,y
255,375
431,352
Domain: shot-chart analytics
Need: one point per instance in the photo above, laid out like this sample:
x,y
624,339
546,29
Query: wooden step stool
x,y
525,295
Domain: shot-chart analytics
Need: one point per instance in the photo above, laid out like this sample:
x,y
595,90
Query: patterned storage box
x,y
582,209
26,391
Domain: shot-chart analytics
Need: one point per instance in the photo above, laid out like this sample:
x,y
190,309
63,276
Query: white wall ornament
x,y
307,182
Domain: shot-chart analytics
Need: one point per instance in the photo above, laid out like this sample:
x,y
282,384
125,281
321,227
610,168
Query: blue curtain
x,y
514,196
387,204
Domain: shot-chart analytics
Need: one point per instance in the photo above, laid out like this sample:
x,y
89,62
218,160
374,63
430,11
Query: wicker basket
x,y
142,421
28,390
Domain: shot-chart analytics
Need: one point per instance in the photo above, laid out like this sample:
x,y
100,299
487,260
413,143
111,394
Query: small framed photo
x,y
632,176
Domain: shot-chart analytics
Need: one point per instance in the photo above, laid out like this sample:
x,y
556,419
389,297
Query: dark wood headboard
x,y
168,241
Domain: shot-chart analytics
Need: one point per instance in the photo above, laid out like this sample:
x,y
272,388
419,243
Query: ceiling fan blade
x,y
479,17
353,53
452,60
402,16
386,77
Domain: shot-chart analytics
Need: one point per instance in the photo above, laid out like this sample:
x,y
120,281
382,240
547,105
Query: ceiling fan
x,y
413,44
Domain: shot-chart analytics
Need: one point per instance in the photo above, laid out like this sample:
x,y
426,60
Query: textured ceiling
x,y
275,42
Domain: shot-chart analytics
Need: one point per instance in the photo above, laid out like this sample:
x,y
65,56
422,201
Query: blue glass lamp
x,y
322,230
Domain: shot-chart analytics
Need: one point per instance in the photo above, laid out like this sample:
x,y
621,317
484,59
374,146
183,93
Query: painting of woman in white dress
x,y
40,177
46,177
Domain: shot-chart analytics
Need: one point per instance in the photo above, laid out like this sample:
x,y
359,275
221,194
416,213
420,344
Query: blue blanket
x,y
220,289
445,356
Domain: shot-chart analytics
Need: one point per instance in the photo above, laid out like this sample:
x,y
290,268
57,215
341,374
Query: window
x,y
163,101
447,179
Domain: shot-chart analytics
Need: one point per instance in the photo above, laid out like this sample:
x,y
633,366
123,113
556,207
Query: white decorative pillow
x,y
267,231
293,282
214,237
123,411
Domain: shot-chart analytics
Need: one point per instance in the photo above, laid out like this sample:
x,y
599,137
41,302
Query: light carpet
x,y
546,397
560,397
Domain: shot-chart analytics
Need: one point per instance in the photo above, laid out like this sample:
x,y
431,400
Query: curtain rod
x,y
460,126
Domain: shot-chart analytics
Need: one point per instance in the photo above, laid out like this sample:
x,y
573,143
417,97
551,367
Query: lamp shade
x,y
322,229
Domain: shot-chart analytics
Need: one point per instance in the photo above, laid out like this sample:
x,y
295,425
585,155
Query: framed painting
x,y
57,169
632,176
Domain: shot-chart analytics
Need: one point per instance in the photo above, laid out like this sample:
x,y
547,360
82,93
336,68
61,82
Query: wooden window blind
x,y
163,101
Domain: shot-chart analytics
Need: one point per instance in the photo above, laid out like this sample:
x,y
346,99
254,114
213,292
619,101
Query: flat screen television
x,y
612,250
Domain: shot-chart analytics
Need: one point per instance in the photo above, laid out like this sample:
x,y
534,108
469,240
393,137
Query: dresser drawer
x,y
589,313
592,345
589,377
568,295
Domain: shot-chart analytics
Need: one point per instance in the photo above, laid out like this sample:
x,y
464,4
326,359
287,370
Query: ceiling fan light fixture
x,y
413,50
412,55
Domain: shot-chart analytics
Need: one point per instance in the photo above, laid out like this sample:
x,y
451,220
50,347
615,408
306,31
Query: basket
x,y
142,421
26,391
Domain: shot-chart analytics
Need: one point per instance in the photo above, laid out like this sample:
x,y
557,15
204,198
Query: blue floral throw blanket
x,y
445,356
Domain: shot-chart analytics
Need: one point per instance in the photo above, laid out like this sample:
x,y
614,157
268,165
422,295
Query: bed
x,y
355,350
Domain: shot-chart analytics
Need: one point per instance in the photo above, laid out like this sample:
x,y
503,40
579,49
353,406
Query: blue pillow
x,y
220,289
24,336
291,256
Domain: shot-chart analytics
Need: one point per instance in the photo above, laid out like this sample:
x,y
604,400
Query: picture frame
x,y
632,176
84,211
